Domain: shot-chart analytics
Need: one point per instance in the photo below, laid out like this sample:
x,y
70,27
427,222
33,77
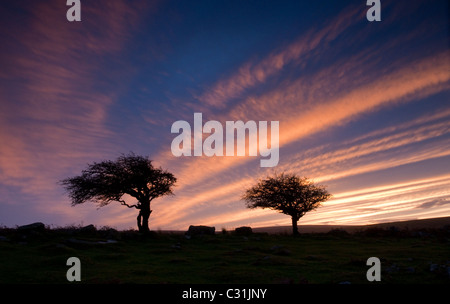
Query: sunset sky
x,y
363,107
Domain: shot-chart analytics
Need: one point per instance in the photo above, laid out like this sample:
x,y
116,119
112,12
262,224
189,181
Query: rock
x,y
88,229
77,241
434,267
87,242
107,242
280,250
244,230
3,238
338,232
201,230
38,226
176,246
109,233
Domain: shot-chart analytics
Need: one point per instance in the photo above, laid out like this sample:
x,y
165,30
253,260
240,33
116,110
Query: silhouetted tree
x,y
109,181
288,194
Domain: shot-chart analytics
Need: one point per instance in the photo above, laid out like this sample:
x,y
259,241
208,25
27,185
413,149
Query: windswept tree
x,y
288,194
110,181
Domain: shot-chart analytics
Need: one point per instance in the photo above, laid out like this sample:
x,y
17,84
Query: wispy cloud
x,y
368,153
255,73
309,103
62,82
56,111
435,202
427,77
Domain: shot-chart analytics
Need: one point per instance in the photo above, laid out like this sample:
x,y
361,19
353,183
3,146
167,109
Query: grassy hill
x,y
432,223
109,256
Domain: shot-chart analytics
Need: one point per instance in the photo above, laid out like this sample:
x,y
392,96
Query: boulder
x,y
201,230
88,229
243,230
38,226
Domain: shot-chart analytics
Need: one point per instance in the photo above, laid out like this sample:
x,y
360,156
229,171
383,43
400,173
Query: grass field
x,y
334,257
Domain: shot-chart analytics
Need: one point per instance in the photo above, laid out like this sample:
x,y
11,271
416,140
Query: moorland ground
x,y
110,256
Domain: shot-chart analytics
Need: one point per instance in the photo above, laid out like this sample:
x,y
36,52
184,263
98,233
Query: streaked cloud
x,y
72,94
54,114
256,73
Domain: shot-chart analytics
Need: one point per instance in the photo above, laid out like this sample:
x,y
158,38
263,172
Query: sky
x,y
363,107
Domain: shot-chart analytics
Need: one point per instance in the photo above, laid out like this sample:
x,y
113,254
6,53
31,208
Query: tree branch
x,y
122,202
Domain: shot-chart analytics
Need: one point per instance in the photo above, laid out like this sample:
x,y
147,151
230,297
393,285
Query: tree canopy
x,y
109,181
288,194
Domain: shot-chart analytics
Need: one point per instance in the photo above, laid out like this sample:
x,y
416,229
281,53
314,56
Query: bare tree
x,y
109,181
288,194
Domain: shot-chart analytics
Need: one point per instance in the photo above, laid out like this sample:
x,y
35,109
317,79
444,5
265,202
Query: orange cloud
x,y
425,77
252,74
53,116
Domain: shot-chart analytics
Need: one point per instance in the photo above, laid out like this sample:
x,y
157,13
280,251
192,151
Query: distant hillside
x,y
412,225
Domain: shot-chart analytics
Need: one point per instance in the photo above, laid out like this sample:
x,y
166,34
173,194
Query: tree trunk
x,y
294,226
142,219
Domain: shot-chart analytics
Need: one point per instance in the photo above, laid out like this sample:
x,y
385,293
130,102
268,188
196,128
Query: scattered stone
x,y
440,269
280,250
338,232
85,242
107,242
77,241
410,270
88,229
434,267
201,230
109,233
38,226
61,248
244,230
176,246
345,283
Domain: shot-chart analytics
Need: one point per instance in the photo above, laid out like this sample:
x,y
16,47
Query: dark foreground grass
x,y
223,258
